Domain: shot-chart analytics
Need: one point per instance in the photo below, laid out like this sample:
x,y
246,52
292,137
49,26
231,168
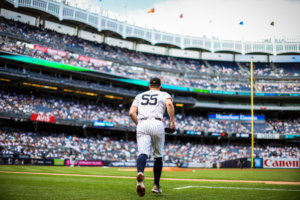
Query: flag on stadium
x,y
151,11
125,5
241,23
181,16
272,23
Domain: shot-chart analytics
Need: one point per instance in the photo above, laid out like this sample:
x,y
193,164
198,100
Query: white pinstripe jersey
x,y
151,104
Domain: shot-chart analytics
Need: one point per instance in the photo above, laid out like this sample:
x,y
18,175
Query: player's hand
x,y
172,125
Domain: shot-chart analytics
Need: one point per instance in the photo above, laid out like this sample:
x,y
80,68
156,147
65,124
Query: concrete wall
x,y
18,16
217,56
151,49
247,58
63,28
119,43
184,53
292,58
90,36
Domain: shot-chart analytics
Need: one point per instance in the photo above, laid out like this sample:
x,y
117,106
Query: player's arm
x,y
133,115
171,112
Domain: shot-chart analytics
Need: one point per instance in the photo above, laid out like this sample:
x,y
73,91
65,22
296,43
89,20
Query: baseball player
x,y
72,157
77,158
151,106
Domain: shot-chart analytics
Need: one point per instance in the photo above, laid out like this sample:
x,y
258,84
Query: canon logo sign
x,y
281,163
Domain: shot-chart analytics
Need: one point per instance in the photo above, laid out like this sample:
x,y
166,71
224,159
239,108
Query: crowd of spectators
x,y
228,71
39,145
117,69
70,109
60,41
88,111
269,87
63,109
198,123
96,50
235,86
194,65
286,126
261,69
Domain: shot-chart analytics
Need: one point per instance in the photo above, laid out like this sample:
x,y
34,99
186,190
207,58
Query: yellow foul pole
x,y
252,130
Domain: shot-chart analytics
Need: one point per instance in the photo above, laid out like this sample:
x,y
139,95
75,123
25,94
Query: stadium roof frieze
x,y
154,37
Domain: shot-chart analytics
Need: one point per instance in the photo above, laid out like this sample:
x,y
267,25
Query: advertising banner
x,y
98,62
103,124
292,136
24,156
193,132
196,165
217,134
59,162
236,117
241,135
84,58
48,162
40,48
287,163
86,162
7,155
50,51
40,162
257,162
42,118
133,164
268,136
58,52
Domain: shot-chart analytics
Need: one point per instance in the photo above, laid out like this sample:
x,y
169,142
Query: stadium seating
x,y
68,109
288,69
260,128
56,146
226,68
50,38
286,126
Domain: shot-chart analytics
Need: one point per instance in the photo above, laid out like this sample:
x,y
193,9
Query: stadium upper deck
x,y
49,38
83,18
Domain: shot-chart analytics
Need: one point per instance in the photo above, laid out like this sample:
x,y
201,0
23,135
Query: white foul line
x,y
236,188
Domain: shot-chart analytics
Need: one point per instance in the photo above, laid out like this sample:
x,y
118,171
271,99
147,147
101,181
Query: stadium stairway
x,y
276,70
179,65
210,67
256,88
145,57
219,85
267,123
243,69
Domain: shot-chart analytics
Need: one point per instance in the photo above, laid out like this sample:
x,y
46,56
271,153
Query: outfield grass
x,y
259,175
31,186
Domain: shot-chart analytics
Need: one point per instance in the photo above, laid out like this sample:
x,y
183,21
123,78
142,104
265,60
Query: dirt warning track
x,y
172,179
177,169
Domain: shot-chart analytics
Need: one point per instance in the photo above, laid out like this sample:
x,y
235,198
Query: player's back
x,y
151,104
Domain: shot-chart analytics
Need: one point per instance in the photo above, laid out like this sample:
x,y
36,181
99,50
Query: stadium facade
x,y
86,19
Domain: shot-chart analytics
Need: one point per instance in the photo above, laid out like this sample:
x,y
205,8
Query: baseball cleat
x,y
140,187
156,189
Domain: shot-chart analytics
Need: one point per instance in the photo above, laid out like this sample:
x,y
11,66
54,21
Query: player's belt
x,y
159,119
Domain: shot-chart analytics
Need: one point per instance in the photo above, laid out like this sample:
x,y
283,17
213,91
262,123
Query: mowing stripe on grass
x,y
236,188
171,179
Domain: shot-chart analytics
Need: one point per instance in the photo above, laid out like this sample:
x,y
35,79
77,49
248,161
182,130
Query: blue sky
x,y
225,16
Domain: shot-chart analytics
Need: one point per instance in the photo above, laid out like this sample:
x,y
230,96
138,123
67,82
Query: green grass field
x,y
37,186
